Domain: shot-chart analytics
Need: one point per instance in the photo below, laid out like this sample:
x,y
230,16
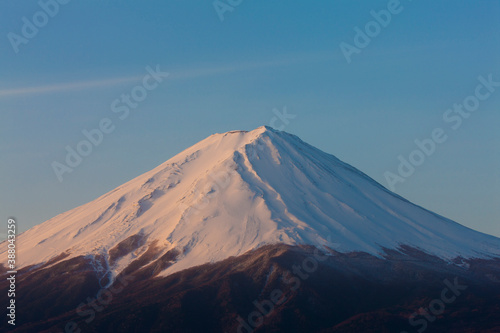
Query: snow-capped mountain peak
x,y
237,191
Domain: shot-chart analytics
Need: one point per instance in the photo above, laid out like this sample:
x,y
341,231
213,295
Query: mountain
x,y
237,191
229,214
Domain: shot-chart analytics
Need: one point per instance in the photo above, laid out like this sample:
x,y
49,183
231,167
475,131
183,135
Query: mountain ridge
x,y
236,191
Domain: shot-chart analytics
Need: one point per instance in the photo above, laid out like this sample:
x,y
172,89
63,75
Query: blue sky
x,y
232,74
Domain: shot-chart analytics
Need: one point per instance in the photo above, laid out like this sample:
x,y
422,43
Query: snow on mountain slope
x,y
237,191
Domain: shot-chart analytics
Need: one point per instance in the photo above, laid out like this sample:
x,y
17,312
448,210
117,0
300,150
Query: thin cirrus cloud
x,y
180,75
62,87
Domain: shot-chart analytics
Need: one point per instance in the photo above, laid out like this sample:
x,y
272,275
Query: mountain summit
x,y
238,191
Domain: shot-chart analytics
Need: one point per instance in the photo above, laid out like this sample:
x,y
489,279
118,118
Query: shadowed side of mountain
x,y
273,288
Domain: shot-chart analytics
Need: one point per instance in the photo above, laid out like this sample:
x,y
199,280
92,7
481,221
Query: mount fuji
x,y
231,196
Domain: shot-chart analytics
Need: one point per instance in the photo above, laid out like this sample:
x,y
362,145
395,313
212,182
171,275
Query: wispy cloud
x,y
68,86
241,67
182,74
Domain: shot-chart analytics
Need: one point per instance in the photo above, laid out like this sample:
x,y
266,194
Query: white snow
x,y
236,191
